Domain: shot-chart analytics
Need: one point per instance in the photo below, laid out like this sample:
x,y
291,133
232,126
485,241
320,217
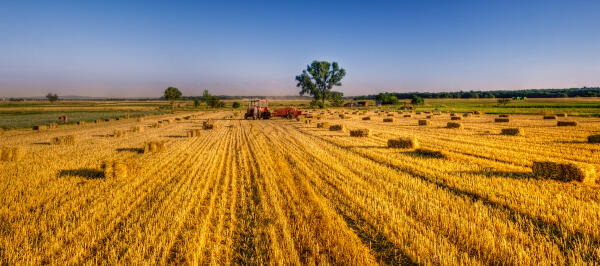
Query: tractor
x,y
258,109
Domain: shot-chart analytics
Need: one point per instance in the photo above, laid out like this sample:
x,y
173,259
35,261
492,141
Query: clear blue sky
x,y
104,48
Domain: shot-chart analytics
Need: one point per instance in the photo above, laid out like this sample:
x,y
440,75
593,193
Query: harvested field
x,y
279,191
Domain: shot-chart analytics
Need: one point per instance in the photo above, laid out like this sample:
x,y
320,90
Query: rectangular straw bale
x,y
52,125
40,127
548,117
127,116
403,143
432,153
208,124
502,120
156,125
365,132
388,120
140,119
562,115
120,168
466,114
193,133
366,118
390,114
118,133
11,154
512,131
407,115
455,118
81,123
137,129
154,146
566,123
565,171
337,127
424,122
323,125
429,116
98,121
594,139
478,112
418,113
503,115
454,125
64,140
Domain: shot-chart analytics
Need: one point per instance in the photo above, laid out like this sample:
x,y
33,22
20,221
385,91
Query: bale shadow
x,y
365,147
176,137
42,143
135,150
571,141
85,173
495,173
99,136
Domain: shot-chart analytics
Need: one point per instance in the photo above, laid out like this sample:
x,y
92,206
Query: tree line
x,y
530,93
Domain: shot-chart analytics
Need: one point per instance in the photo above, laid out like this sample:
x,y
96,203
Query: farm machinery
x,y
287,112
258,109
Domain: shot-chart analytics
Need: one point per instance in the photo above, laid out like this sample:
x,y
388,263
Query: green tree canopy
x,y
387,98
336,98
52,97
319,78
172,94
235,105
417,100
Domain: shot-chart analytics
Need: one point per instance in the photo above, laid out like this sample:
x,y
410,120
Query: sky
x,y
139,48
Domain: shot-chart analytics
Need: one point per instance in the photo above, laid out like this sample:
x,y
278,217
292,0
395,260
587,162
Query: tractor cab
x,y
258,109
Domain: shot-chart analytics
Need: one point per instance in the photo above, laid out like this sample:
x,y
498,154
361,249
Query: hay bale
x,y
432,153
80,123
120,168
137,129
594,139
337,128
11,154
208,124
98,121
562,115
548,117
512,131
390,114
424,122
466,114
107,120
323,125
52,125
407,115
187,117
307,121
366,118
418,113
478,112
565,171
118,133
140,119
388,120
64,140
193,133
403,143
156,125
365,132
503,115
456,118
429,116
154,146
40,127
454,125
502,120
566,123
127,116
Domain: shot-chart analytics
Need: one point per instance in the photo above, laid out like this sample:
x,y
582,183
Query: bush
x,y
317,104
235,105
417,100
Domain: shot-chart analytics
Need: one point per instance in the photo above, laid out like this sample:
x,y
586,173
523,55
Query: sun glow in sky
x,y
137,49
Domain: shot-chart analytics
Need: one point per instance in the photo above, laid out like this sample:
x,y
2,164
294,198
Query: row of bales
x,y
562,170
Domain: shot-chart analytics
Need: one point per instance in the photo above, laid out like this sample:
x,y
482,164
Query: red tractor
x,y
288,112
258,109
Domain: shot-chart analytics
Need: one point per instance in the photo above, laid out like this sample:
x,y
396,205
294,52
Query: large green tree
x,y
319,78
52,97
172,94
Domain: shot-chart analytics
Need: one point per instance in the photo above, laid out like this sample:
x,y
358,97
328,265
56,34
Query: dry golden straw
x,y
11,154
154,146
360,132
120,168
403,143
336,127
454,125
432,153
323,125
64,140
565,171
512,131
118,133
